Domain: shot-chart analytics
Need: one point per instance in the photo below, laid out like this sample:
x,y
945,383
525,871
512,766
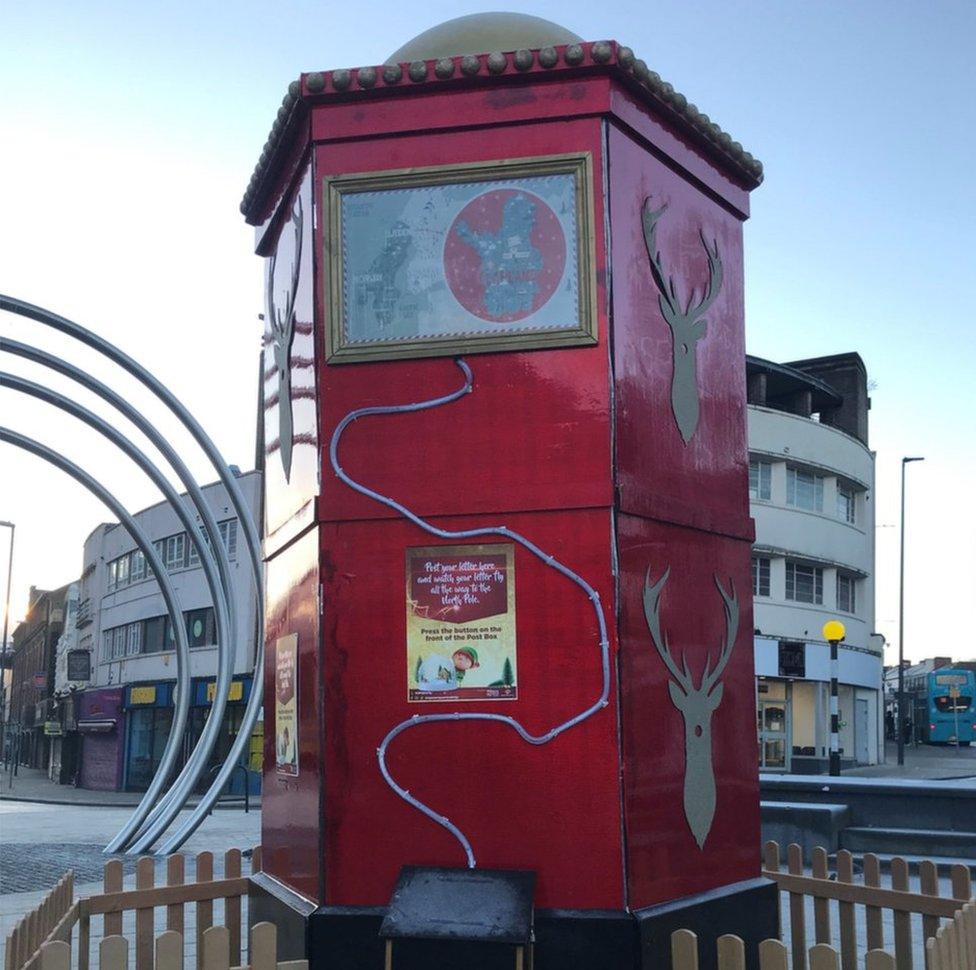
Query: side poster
x,y
461,623
286,705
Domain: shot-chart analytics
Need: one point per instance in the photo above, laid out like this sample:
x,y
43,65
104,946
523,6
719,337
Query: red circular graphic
x,y
504,255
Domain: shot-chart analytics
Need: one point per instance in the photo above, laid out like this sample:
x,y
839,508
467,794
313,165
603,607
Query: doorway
x,y
861,730
774,742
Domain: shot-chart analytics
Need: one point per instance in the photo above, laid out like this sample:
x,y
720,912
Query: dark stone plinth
x,y
749,909
347,937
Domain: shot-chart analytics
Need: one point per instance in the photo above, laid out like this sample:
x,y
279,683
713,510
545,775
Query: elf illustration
x,y
465,659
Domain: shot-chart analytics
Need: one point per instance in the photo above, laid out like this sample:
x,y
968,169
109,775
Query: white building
x,y
811,485
125,713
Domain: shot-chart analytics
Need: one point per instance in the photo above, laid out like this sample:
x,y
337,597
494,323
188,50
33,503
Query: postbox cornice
x,y
468,70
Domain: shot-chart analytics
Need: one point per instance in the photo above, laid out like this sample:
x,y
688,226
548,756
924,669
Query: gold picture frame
x,y
390,234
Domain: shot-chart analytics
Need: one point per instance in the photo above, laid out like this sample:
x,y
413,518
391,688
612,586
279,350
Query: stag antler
x,y
652,600
730,603
690,317
282,320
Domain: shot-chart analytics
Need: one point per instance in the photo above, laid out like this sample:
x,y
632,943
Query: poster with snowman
x,y
461,623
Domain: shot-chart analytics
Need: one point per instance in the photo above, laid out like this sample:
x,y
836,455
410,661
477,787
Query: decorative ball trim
x,y
573,55
548,57
523,60
444,69
497,62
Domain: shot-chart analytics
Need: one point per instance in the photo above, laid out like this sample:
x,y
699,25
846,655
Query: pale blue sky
x,y
130,130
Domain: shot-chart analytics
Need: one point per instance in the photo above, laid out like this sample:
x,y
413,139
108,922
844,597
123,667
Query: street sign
x,y
79,665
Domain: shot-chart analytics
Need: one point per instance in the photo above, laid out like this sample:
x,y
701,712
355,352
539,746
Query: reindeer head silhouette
x,y
685,320
281,322
697,704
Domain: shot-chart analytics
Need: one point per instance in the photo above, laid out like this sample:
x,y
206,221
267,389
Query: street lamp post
x,y
3,648
901,622
833,631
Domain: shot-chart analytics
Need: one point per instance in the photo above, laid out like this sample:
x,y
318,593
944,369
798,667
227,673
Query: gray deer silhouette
x,y
282,323
687,324
696,704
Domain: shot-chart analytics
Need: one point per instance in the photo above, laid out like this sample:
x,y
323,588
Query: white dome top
x,y
480,33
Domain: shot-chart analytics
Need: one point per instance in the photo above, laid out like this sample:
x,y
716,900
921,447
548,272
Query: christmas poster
x,y
286,705
461,623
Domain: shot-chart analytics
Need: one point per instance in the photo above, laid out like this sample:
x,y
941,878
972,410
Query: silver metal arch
x,y
218,579
34,354
132,527
69,328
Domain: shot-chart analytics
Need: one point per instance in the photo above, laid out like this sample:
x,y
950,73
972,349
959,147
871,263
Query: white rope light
x,y
551,561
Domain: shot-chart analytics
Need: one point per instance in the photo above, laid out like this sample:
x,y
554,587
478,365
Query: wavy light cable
x,y
419,719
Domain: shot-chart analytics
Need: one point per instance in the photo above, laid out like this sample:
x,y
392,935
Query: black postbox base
x,y
347,937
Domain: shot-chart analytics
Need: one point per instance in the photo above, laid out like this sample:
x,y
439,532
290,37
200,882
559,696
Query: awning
x,y
96,725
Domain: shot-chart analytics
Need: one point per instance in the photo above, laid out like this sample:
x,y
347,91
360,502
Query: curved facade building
x,y
811,485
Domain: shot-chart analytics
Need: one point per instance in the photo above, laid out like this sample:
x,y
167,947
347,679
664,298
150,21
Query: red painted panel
x,y
702,483
553,808
291,809
663,859
472,456
411,110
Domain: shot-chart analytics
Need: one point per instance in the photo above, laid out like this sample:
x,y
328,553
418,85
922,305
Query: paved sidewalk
x,y
923,761
33,785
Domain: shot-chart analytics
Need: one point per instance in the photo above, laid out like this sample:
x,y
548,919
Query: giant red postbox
x,y
507,528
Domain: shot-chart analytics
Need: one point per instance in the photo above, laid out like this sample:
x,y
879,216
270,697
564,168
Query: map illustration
x,y
473,258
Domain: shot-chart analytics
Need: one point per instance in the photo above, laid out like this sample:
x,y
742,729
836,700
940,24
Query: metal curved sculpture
x,y
157,810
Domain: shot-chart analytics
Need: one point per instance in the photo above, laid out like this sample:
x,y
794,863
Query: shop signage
x,y
792,659
235,693
142,695
40,680
79,665
286,705
53,729
460,603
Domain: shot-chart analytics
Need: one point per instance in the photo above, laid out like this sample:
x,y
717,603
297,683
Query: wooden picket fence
x,y
870,894
773,955
954,945
54,920
113,952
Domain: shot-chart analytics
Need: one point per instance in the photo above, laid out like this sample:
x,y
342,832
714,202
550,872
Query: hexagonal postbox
x,y
507,530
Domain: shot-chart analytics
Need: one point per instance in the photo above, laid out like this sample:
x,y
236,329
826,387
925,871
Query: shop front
x,y
149,712
100,719
793,707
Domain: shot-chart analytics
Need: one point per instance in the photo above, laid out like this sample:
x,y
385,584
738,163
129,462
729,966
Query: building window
x,y
846,503
192,553
113,572
137,570
846,593
174,556
228,535
118,642
760,475
134,637
200,627
760,576
154,636
804,584
122,571
804,490
106,646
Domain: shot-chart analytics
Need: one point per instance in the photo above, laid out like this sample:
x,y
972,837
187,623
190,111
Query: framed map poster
x,y
461,623
460,259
